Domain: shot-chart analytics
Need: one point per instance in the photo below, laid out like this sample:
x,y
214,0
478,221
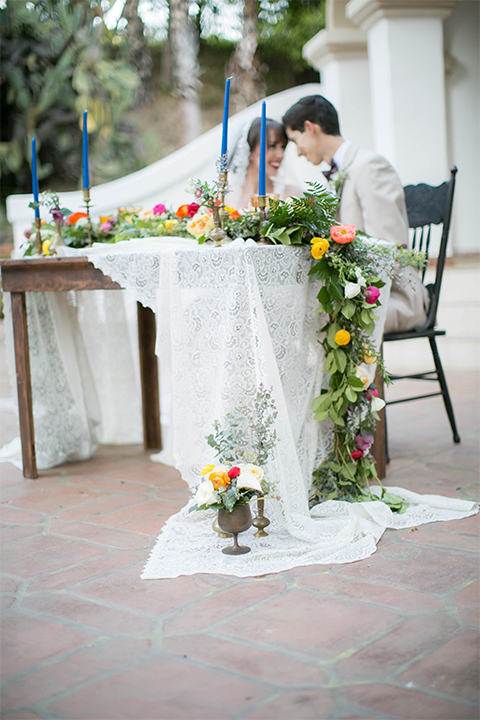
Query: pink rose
x,y
356,454
192,209
371,294
159,209
371,393
363,442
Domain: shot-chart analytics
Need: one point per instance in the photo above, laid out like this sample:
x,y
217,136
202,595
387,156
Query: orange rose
x,y
343,234
74,217
182,211
232,213
219,479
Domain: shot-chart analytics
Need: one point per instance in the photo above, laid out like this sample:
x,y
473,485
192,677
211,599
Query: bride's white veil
x,y
238,163
285,182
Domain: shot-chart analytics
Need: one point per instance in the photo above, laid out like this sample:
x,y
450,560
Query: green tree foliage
x,y
285,27
58,58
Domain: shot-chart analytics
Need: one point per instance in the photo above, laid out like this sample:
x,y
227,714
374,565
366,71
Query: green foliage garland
x,y
351,270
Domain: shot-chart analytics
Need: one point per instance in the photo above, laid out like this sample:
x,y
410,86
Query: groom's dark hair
x,y
315,108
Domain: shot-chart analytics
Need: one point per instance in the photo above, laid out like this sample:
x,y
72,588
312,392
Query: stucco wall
x,y
462,44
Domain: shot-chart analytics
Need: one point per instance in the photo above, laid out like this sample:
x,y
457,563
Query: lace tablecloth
x,y
229,319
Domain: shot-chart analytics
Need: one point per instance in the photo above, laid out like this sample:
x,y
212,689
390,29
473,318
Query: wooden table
x,y
57,275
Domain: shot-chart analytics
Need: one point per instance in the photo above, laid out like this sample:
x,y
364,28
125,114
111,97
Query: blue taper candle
x,y
262,179
226,105
35,176
86,179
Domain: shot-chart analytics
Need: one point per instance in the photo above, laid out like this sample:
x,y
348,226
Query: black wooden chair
x,y
427,206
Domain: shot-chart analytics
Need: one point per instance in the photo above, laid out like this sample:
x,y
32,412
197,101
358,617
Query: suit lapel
x,y
349,159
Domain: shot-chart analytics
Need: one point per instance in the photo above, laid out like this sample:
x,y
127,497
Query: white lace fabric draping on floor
x,y
83,347
229,319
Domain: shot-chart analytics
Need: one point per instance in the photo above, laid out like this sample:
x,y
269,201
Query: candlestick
x,y
35,176
226,104
86,197
262,178
86,179
38,236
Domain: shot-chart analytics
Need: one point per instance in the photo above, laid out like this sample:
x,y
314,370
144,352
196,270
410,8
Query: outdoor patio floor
x,y
83,637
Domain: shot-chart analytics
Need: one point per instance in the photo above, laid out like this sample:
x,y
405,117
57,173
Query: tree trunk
x,y
244,66
184,66
137,53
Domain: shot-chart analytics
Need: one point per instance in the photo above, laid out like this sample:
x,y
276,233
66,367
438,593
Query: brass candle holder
x,y
260,522
38,236
223,188
86,197
218,234
262,204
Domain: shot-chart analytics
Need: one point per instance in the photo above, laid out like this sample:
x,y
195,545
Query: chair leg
x,y
444,387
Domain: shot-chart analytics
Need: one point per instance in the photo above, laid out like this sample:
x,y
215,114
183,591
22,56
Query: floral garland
x,y
351,268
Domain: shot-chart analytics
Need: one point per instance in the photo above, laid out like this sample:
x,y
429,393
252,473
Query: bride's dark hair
x,y
253,137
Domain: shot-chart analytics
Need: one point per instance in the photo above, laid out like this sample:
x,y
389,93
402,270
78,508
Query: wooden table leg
x,y
379,443
24,385
152,433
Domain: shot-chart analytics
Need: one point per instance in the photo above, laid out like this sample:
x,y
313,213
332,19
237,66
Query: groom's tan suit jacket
x,y
372,196
372,199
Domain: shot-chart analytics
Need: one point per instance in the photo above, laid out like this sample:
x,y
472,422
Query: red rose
x,y
233,472
356,454
192,209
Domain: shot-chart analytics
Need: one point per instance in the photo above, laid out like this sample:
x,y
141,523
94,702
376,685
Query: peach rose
x,y
200,225
343,234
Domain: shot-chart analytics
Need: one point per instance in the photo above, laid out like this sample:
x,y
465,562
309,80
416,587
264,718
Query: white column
x,y
339,53
407,78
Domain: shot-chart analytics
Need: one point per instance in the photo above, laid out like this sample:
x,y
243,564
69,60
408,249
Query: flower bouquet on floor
x,y
242,445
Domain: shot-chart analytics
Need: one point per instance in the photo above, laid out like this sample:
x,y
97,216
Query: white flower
x,y
250,467
377,404
205,494
81,222
364,375
248,480
191,186
360,279
351,290
250,477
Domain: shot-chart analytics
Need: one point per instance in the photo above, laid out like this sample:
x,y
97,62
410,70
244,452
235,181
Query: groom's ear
x,y
311,127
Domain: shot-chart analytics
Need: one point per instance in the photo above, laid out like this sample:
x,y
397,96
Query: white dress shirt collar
x,y
339,156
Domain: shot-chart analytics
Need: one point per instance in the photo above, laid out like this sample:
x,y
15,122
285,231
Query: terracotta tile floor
x,y
394,636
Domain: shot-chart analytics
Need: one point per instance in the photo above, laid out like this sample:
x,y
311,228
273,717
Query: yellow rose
x,y
169,224
320,248
46,244
200,225
342,337
207,469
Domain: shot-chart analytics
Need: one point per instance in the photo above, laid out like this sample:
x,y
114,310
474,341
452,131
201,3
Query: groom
x,y
370,191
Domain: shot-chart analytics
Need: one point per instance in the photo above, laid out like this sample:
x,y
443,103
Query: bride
x,y
245,160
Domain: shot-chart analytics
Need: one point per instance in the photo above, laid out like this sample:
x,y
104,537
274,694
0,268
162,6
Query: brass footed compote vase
x,y
234,522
